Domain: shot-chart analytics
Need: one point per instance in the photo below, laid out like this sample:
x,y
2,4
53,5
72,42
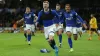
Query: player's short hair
x,y
93,14
27,7
58,4
46,1
67,5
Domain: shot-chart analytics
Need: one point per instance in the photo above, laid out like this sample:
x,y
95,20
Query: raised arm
x,y
81,20
20,20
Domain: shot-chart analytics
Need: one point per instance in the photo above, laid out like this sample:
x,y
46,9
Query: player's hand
x,y
85,26
17,22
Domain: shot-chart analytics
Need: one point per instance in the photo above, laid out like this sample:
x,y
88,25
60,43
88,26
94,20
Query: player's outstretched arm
x,y
84,25
20,20
81,20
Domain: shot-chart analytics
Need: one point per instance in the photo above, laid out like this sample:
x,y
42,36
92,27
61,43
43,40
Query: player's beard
x,y
67,10
27,12
46,9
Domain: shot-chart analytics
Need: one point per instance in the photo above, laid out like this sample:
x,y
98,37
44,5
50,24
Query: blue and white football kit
x,y
79,26
49,26
71,21
29,21
59,21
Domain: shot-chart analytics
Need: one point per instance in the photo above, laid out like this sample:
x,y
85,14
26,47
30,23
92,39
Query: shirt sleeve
x,y
39,15
55,14
79,18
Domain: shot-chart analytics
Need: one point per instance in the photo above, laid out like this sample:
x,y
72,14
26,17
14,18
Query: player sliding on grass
x,y
59,25
71,21
29,23
93,27
46,16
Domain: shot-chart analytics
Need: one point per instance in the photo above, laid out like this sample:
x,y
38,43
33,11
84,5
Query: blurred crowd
x,y
8,17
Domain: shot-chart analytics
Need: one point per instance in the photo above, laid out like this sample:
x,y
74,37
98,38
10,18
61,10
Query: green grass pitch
x,y
15,45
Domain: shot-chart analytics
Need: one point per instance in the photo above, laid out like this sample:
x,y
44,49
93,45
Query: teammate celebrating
x,y
59,26
93,26
71,20
46,16
29,23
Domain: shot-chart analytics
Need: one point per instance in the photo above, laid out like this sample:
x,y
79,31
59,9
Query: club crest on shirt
x,y
28,17
60,12
71,15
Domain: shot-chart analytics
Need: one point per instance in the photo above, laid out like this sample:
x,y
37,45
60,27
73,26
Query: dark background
x,y
34,3
13,10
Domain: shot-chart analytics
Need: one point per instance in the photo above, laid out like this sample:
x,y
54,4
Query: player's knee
x,y
50,38
91,32
57,33
75,36
28,31
81,32
51,35
60,32
69,34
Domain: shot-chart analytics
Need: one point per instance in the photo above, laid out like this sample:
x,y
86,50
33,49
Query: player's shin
x,y
29,36
75,36
60,39
80,33
69,39
53,44
29,39
33,33
90,35
25,35
70,42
